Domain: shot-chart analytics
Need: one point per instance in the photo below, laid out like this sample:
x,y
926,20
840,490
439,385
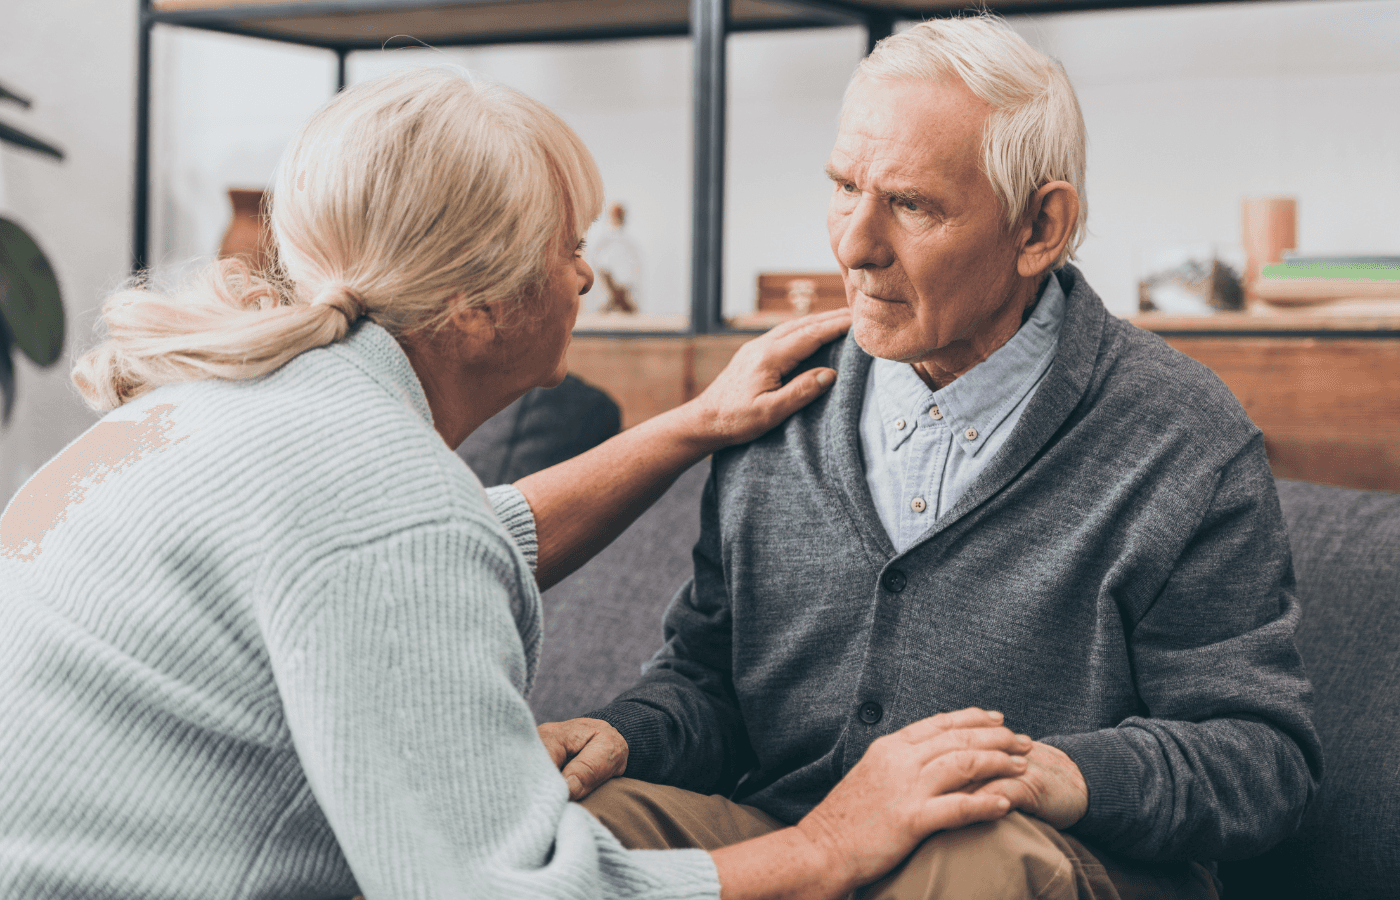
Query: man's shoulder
x,y
1142,377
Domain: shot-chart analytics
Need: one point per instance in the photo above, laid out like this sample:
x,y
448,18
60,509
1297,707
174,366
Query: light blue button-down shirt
x,y
923,448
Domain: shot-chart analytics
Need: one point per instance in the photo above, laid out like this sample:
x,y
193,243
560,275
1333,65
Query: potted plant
x,y
31,310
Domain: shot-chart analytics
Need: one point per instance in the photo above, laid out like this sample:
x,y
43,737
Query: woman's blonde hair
x,y
1035,133
404,199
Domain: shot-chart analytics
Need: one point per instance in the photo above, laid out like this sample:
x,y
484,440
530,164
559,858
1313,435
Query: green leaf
x,y
29,296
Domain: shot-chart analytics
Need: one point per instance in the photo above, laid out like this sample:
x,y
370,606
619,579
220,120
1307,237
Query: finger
x,y
556,749
1014,790
789,348
994,738
972,717
784,401
819,319
594,764
958,810
955,770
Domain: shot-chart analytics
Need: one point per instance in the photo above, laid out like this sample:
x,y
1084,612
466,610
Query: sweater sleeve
x,y
515,514
1224,758
681,720
399,669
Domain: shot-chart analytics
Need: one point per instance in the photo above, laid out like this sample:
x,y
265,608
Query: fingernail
x,y
574,785
825,378
996,715
1003,804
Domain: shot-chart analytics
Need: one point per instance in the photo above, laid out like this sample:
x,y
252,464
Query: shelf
x,y
369,24
1360,318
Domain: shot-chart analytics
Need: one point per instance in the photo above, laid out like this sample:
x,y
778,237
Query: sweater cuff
x,y
1113,774
644,729
518,519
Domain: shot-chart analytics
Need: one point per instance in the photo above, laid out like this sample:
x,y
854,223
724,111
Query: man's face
x,y
920,235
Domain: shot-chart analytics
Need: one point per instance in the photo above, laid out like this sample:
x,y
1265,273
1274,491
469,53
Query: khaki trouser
x,y
1016,857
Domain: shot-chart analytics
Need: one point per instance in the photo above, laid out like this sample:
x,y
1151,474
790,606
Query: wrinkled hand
x,y
587,751
1051,788
749,397
912,783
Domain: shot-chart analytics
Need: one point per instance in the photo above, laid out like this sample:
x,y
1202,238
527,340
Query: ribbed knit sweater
x,y
270,639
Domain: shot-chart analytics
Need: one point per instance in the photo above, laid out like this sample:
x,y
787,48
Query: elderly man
x,y
1011,499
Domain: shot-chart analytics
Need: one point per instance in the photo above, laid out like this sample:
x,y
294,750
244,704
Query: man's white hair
x,y
1035,133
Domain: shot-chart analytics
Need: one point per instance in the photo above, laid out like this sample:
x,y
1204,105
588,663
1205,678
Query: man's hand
x,y
1051,789
587,751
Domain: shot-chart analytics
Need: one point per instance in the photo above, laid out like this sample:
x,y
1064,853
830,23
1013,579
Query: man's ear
x,y
1049,221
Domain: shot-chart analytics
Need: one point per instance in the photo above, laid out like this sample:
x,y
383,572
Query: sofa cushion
x,y
604,621
1346,553
544,427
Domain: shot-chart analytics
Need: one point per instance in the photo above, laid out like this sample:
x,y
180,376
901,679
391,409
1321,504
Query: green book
x,y
1337,268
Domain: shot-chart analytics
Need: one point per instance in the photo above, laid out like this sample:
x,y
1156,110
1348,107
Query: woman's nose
x,y
585,271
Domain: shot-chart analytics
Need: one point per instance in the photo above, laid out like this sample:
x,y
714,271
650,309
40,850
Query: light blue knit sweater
x,y
272,640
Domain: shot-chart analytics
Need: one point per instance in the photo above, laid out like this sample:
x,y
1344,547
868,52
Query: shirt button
x,y
870,712
935,413
899,424
918,505
894,581
970,434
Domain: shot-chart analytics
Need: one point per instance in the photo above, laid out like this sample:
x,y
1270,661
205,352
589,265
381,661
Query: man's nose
x,y
863,243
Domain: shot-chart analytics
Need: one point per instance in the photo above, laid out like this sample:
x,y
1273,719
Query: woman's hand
x,y
912,783
909,784
749,398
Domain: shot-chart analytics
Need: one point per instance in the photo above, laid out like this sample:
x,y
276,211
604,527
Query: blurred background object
x,y
1191,281
31,307
542,428
618,264
1268,227
249,234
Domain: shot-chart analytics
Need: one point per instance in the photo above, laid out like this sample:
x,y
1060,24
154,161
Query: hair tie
x,y
340,297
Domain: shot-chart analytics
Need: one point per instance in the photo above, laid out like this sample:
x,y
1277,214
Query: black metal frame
x,y
709,26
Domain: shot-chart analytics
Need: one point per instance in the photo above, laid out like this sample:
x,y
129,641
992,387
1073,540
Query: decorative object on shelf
x,y
802,294
1191,281
248,235
31,307
618,264
1268,227
1311,280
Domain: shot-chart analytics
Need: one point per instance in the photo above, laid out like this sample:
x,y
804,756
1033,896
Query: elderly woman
x,y
265,634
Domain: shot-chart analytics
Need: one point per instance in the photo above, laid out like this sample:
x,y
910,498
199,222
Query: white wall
x,y
1188,109
76,60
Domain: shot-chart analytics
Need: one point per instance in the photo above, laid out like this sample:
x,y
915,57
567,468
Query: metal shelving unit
x,y
344,26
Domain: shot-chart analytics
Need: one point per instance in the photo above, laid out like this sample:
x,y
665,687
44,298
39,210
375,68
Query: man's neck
x,y
945,365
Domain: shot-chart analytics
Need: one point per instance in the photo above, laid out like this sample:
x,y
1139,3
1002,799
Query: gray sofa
x,y
603,622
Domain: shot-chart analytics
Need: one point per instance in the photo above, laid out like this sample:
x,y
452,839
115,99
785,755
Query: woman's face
x,y
546,337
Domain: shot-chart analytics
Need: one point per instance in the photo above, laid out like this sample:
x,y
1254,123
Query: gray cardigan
x,y
1117,582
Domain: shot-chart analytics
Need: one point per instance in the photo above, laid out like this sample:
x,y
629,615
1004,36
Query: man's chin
x,y
881,341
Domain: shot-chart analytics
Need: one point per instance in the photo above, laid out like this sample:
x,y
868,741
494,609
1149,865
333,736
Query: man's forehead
x,y
908,129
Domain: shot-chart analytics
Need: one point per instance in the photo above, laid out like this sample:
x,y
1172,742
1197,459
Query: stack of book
x,y
1309,280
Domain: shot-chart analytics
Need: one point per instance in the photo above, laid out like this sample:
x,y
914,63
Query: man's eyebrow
x,y
910,194
834,175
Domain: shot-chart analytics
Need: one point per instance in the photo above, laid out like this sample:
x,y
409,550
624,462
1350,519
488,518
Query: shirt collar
x,y
976,403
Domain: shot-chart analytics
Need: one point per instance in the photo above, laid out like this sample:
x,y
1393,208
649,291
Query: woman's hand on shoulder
x,y
749,398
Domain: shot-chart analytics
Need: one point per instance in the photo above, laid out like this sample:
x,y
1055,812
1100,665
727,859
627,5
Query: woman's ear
x,y
1049,221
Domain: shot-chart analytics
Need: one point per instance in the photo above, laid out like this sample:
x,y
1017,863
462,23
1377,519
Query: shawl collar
x,y
1081,337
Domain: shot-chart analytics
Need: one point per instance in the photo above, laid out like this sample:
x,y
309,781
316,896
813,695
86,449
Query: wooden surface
x,y
1329,407
1372,317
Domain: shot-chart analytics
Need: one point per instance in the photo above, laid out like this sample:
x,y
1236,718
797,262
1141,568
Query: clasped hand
x,y
1049,786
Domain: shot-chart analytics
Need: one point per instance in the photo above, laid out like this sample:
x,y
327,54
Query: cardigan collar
x,y
1062,390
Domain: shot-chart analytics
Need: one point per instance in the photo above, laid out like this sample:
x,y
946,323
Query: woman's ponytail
x,y
233,325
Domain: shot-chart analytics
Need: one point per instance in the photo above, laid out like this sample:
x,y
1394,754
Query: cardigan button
x,y
870,712
894,581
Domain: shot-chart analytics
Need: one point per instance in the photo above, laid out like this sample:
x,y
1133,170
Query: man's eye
x,y
909,205
848,188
